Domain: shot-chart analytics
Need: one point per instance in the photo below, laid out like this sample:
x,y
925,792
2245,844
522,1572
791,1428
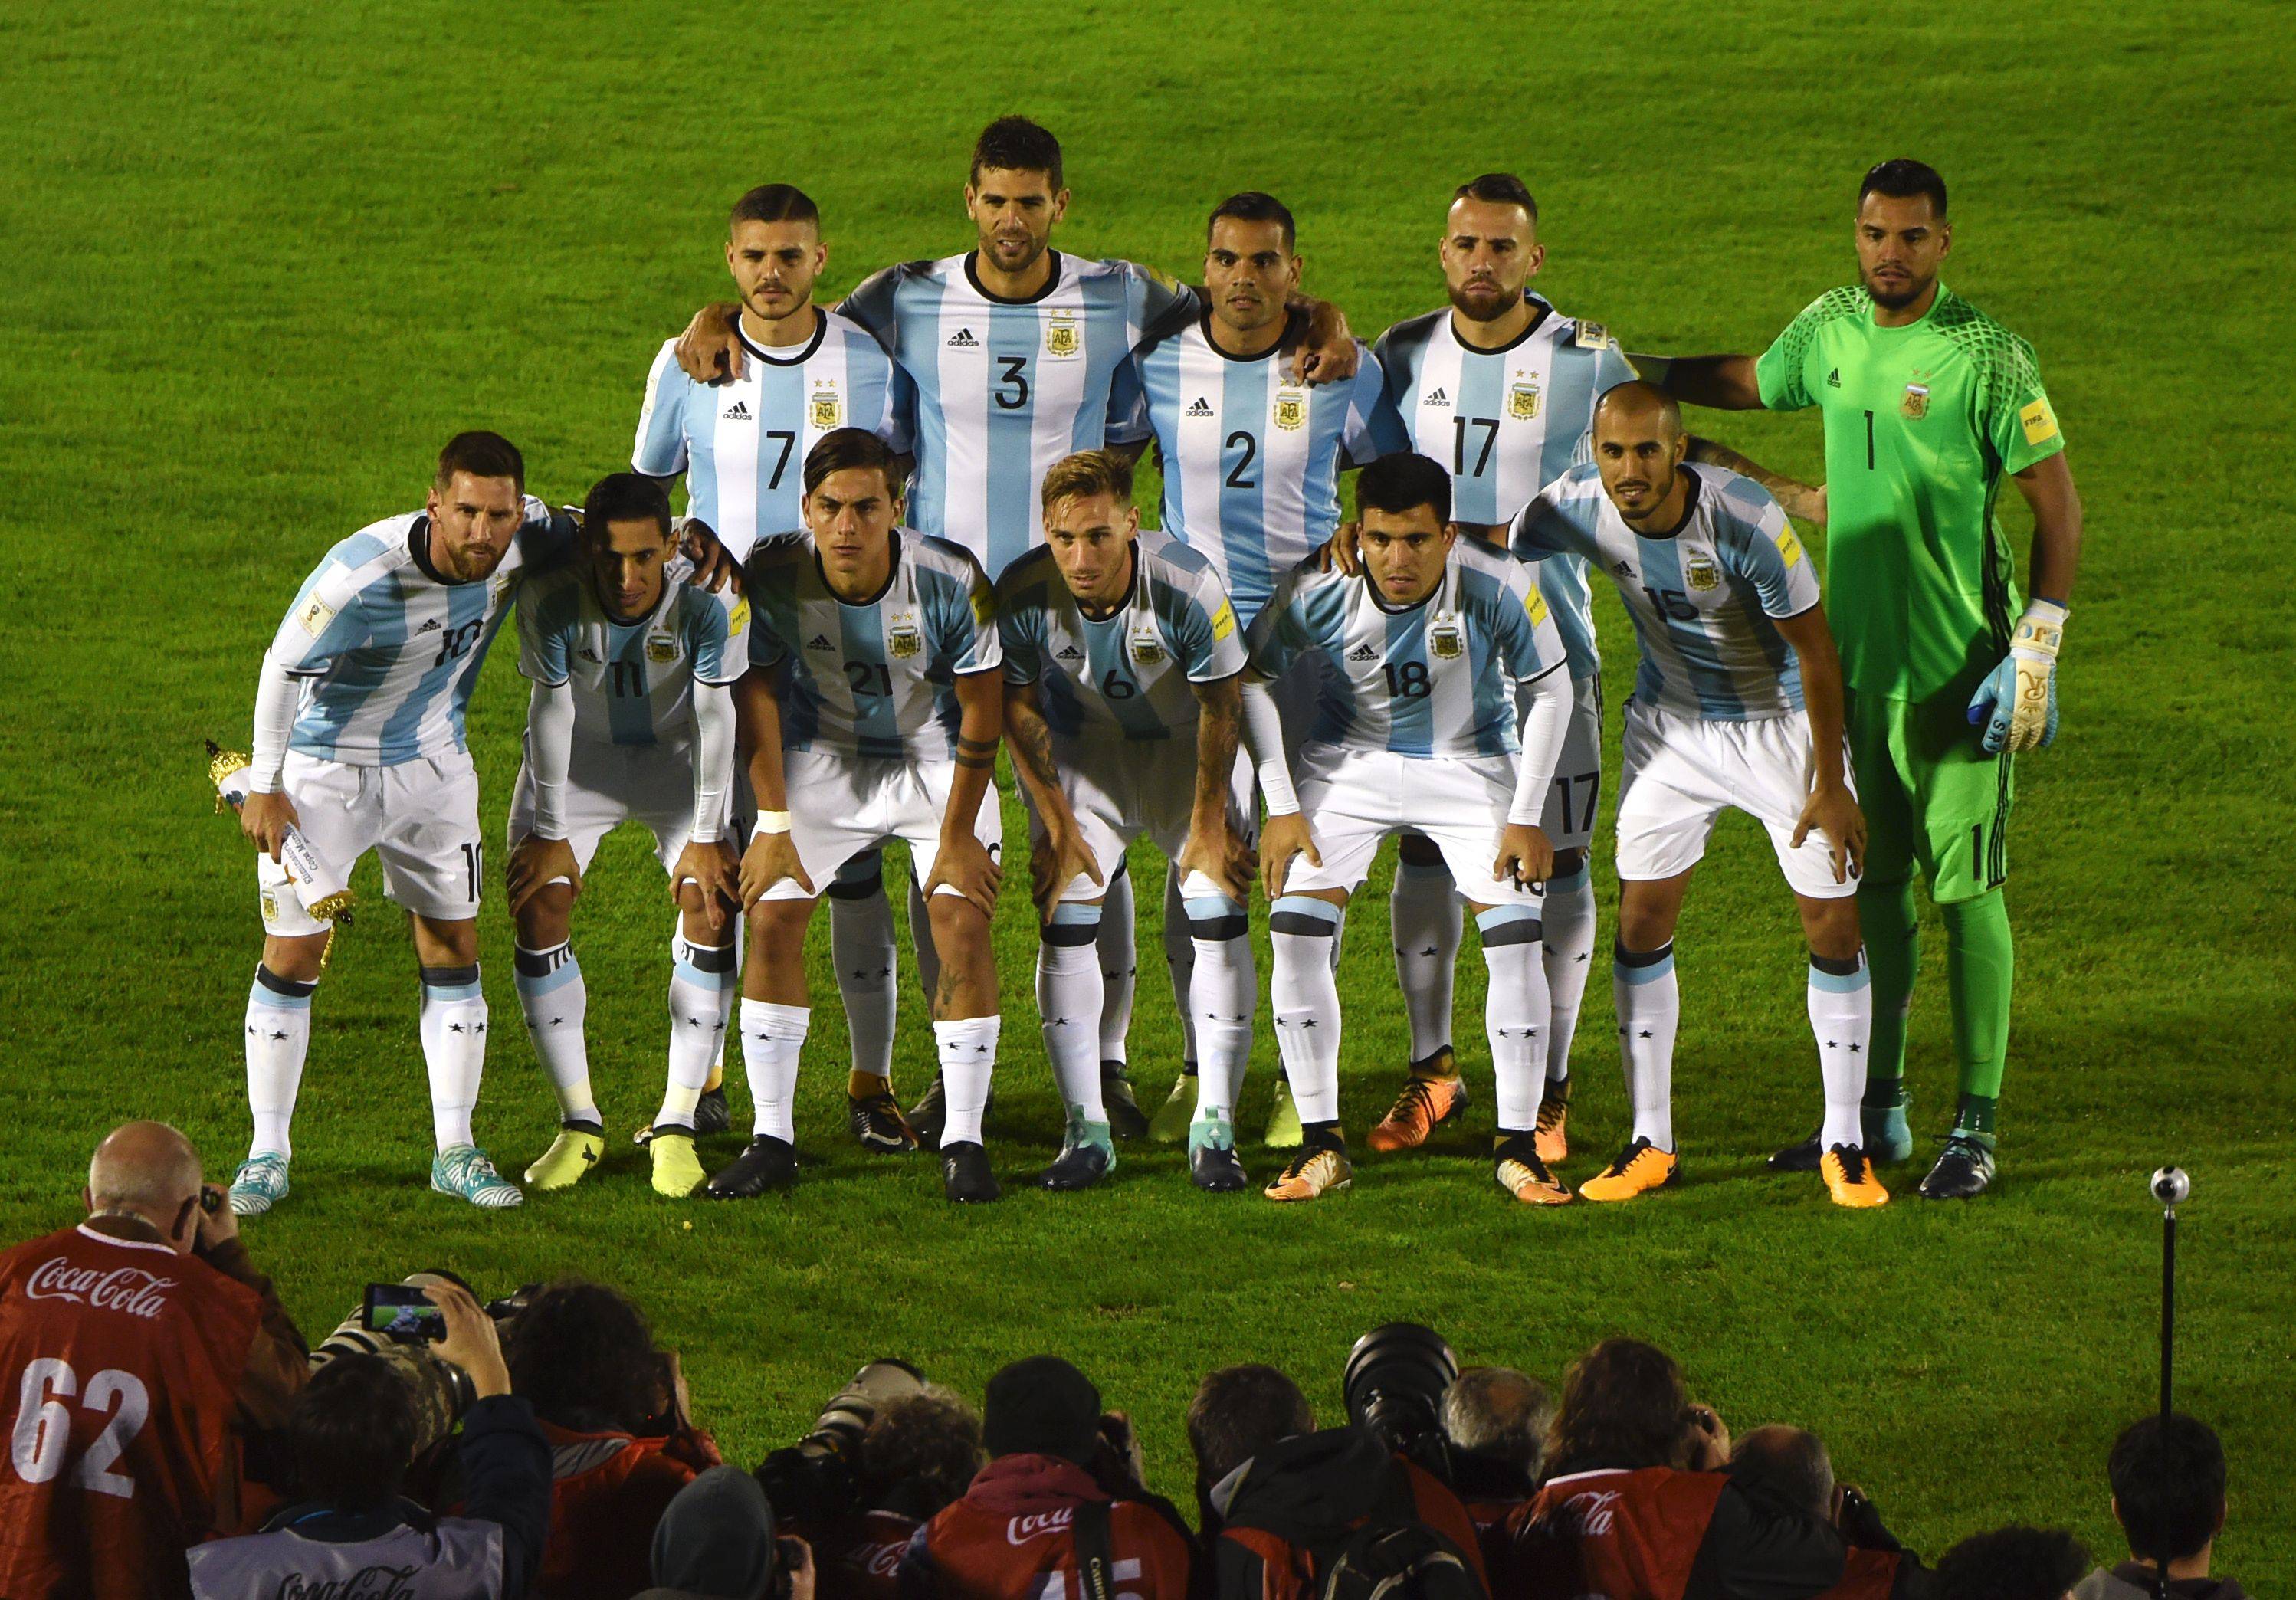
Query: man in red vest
x,y
137,1350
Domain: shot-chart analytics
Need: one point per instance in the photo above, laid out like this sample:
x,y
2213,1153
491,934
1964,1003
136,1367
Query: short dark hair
x,y
1238,1412
1016,145
1252,205
844,449
1498,189
584,1357
1624,1405
930,1443
1401,481
482,455
2168,1475
1902,178
2012,1564
776,202
351,1433
1789,1464
625,497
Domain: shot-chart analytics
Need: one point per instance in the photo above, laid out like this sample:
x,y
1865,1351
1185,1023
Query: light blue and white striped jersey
x,y
633,681
1507,423
1004,388
1433,679
1126,675
1702,598
386,650
873,677
1251,456
742,445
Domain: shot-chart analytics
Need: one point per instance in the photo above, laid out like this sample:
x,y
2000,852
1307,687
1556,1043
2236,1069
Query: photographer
x,y
1494,1422
351,1435
1637,1504
919,1454
1792,1466
2167,1477
149,1307
612,1407
1062,1493
717,1540
1238,1412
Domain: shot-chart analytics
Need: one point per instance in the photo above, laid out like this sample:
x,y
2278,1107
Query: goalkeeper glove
x,y
2017,702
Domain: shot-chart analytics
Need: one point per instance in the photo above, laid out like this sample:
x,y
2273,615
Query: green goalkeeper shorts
x,y
1933,797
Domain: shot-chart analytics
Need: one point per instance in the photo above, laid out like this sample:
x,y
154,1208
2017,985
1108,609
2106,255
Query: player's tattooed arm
x,y
1057,852
707,351
1831,808
1723,382
1328,355
1800,499
962,862
1212,847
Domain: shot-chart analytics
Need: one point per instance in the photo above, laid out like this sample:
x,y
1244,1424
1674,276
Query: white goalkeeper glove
x,y
2017,702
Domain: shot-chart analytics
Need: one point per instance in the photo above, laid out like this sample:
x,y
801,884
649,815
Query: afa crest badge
x,y
1702,574
661,649
1446,644
904,640
1063,338
1915,406
1147,652
1291,409
825,410
1522,400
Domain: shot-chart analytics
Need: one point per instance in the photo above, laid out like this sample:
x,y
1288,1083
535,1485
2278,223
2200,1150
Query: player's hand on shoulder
x,y
964,864
714,566
771,858
534,864
265,819
707,351
706,879
1282,839
1833,812
1343,551
1327,353
1526,855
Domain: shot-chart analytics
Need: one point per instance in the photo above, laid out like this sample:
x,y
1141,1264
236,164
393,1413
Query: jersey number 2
x,y
42,1436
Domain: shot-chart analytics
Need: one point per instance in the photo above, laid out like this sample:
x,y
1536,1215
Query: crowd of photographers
x,y
543,1445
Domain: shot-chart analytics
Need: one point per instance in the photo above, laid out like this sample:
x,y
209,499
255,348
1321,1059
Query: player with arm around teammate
x,y
1737,702
1429,649
359,743
1121,646
631,717
880,723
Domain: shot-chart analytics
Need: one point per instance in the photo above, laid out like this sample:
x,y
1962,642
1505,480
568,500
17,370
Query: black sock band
x,y
450,977
1624,957
293,988
1217,929
860,889
1837,966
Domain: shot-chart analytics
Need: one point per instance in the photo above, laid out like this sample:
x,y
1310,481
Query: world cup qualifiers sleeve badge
x,y
322,890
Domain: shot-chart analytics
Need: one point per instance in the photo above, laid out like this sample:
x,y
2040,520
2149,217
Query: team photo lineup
x,y
909,541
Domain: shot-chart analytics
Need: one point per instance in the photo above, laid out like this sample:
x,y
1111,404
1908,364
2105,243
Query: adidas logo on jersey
x,y
1202,407
1623,568
1834,379
1067,653
738,412
589,655
1439,399
430,626
1363,652
963,339
819,642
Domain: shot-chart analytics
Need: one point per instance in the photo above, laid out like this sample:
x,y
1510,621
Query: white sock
x,y
1180,963
555,999
1069,997
454,1030
772,1037
1306,999
703,980
1423,909
1514,1013
1222,989
1566,917
920,943
868,962
278,1039
1118,945
1649,1006
968,1062
1841,1017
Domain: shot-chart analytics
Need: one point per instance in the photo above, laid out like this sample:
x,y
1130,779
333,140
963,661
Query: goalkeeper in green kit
x,y
1929,404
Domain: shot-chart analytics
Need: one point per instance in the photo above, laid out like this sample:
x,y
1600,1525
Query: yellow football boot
x,y
1641,1167
1849,1177
1425,1104
1553,1141
1316,1170
1515,1163
676,1170
573,1153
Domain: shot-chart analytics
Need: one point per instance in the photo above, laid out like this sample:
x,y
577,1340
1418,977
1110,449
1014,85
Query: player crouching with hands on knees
x,y
1429,648
632,716
1118,646
1737,704
873,715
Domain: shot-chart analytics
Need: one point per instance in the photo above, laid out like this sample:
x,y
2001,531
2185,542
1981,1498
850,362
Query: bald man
x,y
1737,704
139,1347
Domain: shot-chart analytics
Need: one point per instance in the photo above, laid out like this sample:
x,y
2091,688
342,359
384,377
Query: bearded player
x,y
1928,403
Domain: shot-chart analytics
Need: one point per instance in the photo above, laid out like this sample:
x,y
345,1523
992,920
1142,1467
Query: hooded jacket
x,y
1308,1492
1015,1526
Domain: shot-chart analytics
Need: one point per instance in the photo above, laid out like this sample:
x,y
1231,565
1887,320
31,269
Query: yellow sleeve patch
x,y
984,605
1223,621
1535,603
1789,546
739,619
2040,422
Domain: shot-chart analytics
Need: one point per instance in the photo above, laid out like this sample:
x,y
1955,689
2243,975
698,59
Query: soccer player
x,y
882,723
359,743
1009,354
1251,460
1737,704
1426,654
1928,404
1500,387
632,717
1118,645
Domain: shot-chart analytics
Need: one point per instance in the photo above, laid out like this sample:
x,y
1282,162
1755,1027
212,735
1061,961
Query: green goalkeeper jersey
x,y
1921,423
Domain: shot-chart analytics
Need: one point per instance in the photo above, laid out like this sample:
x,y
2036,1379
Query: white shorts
x,y
1122,790
841,805
420,816
1578,787
610,784
1681,772
1354,798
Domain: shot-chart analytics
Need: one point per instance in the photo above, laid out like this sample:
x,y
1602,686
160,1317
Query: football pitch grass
x,y
265,259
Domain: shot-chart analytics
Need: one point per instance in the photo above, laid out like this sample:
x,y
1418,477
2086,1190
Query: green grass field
x,y
263,260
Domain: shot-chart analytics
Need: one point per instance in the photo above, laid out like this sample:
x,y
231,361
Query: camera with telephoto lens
x,y
1395,1381
818,1478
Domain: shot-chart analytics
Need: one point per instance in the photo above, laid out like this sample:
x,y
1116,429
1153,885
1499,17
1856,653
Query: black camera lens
x,y
1395,1381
